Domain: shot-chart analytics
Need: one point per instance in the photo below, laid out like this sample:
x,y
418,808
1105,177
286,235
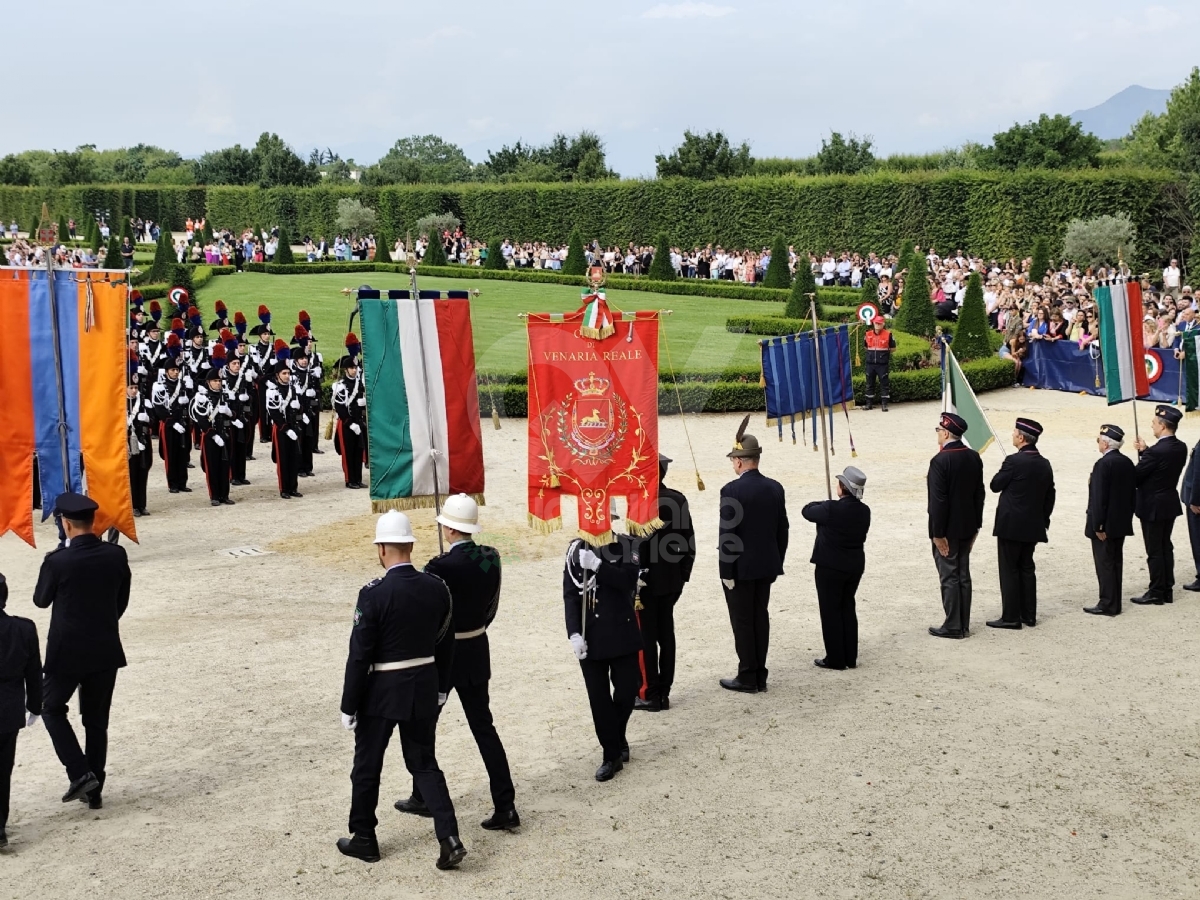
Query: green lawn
x,y
696,330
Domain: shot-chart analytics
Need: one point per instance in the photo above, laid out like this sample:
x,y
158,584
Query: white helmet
x,y
393,528
461,513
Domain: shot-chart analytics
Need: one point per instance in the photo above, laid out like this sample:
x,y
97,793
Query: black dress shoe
x,y
80,786
214,502
228,502
665,701
318,451
651,705
297,494
625,755
502,820
174,490
1097,611
1000,623
137,513
185,490
413,806
732,684
191,465
3,838
943,632
95,801
1146,600
1029,623
452,853
284,495
608,769
762,688
822,664
361,846
1194,586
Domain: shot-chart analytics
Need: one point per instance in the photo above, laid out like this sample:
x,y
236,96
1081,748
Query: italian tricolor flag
x,y
422,398
1121,347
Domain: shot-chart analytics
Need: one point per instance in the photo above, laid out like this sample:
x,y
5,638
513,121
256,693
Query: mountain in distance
x,y
1119,113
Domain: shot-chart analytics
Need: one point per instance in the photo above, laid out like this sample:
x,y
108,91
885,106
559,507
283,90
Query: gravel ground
x,y
1055,761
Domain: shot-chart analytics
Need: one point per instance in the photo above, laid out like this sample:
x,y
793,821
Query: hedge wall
x,y
993,214
911,352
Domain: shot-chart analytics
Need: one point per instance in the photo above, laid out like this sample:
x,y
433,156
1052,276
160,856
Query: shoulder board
x,y
371,583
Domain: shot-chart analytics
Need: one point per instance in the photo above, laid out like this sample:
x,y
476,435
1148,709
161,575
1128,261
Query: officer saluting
x,y
751,548
955,485
1025,484
472,572
668,556
1157,477
1111,492
880,343
87,583
398,674
20,691
598,597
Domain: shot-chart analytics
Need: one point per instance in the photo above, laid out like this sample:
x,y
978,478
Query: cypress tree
x,y
283,250
1039,262
435,253
576,262
181,276
805,284
126,230
64,234
495,258
870,292
383,248
778,275
164,259
94,238
906,250
916,312
660,267
971,336
33,226
112,259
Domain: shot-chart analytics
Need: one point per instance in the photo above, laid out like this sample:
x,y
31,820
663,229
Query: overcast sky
x,y
355,76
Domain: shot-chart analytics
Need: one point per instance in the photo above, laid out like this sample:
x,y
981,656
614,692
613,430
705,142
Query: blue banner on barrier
x,y
1064,366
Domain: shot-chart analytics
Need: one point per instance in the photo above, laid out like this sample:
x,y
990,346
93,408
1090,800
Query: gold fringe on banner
x,y
644,529
421,501
597,334
495,418
596,540
545,526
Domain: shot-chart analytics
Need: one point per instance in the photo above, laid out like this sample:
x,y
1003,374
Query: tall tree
x,y
276,164
233,165
804,288
112,257
1040,260
972,335
842,156
576,263
705,157
778,274
435,253
1050,142
1172,138
425,159
64,233
916,311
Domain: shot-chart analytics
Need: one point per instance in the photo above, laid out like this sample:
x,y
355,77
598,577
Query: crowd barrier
x,y
1065,366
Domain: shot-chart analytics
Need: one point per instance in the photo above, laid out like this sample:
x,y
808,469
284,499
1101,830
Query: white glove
x,y
143,417
354,427
188,383
728,582
295,404
362,401
579,645
442,698
178,427
141,370
224,410
291,434
589,561
243,397
218,440
349,722
237,423
304,418
33,719
183,401
140,446
310,393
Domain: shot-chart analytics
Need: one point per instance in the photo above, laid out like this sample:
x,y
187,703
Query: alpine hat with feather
x,y
745,446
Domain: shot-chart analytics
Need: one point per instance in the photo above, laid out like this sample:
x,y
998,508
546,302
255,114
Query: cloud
x,y
687,11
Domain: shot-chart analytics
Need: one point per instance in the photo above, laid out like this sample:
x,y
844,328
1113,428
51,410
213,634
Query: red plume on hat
x,y
300,332
239,322
173,344
353,345
305,320
219,306
218,356
155,310
264,315
282,351
177,328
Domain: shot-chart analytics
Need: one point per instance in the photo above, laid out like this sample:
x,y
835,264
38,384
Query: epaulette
x,y
371,583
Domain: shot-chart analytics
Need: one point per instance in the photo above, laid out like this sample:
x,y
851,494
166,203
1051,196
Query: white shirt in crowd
x,y
1171,277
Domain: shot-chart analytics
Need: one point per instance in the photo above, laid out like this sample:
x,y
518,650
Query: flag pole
x,y
812,302
437,498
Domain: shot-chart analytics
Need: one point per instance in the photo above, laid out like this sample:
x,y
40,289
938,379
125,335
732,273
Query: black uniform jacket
x,y
1157,476
955,486
20,672
612,628
1025,484
842,527
669,554
472,572
754,528
1110,496
1191,480
407,614
88,584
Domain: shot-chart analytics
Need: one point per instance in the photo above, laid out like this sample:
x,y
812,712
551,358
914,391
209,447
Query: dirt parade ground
x,y
1061,761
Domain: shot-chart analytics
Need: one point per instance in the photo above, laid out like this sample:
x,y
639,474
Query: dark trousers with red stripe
x,y
237,453
286,454
657,619
611,709
214,461
139,474
264,416
173,448
350,445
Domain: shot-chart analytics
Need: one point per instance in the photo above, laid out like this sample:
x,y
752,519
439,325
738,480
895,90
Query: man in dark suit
x,y
398,675
1191,500
838,555
1111,491
1157,477
472,572
955,486
751,548
20,693
599,586
1025,484
668,556
87,583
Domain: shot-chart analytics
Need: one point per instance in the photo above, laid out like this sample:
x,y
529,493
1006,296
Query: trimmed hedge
x,y
911,352
995,214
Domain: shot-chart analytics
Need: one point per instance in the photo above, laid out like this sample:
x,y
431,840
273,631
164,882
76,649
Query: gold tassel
x,y
597,334
699,482
637,604
554,481
854,454
495,418
329,428
89,311
544,526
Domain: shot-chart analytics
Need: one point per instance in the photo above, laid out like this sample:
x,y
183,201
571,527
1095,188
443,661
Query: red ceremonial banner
x,y
593,422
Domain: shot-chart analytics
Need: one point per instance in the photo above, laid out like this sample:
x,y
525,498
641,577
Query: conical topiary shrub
x,y
64,233
778,275
576,261
383,248
802,287
495,258
972,335
1039,262
435,253
164,258
660,267
916,312
283,250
